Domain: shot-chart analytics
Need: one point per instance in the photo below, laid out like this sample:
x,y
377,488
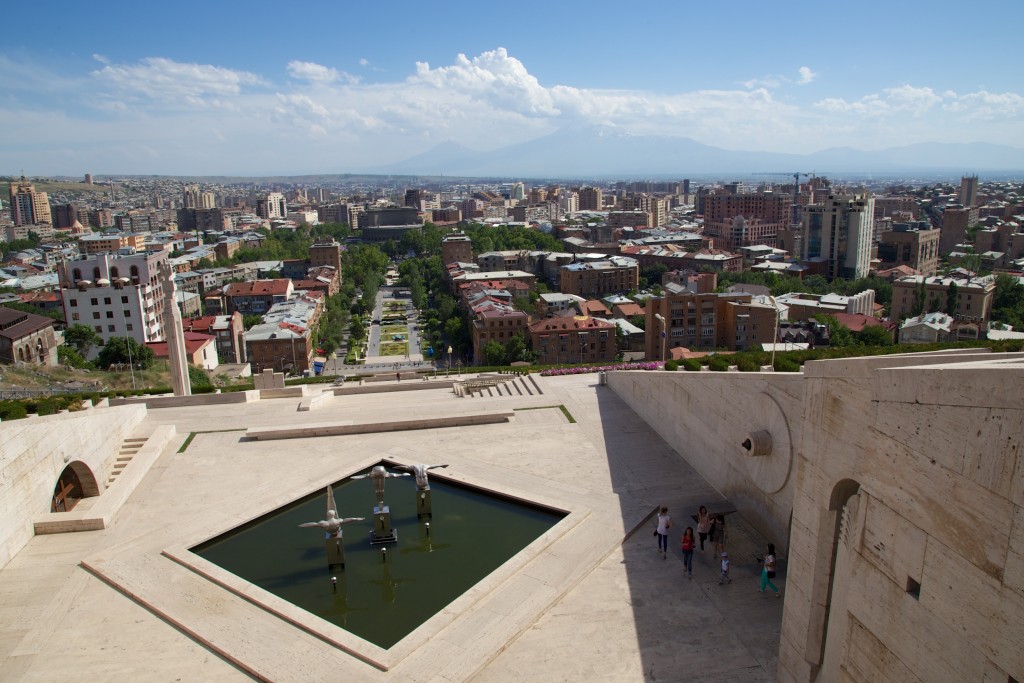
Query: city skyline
x,y
211,90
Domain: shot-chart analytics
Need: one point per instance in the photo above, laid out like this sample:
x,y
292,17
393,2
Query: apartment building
x,y
579,339
839,233
456,247
498,323
616,275
109,243
973,297
118,295
732,321
910,244
258,296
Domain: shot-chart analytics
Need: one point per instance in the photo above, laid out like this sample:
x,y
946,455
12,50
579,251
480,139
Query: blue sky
x,y
340,86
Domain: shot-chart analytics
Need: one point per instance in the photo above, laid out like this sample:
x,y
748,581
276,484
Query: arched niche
x,y
75,482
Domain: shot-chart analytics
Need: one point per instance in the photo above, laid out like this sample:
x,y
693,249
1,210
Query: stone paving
x,y
595,601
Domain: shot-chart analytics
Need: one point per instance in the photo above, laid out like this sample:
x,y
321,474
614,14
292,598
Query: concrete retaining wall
x,y
98,512
183,401
706,416
33,453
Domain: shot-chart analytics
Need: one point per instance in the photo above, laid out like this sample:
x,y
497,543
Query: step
x,y
120,466
126,458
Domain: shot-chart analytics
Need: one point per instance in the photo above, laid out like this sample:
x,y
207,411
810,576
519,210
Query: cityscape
x,y
786,290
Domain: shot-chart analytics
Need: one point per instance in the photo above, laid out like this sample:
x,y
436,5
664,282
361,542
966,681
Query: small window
x,y
94,301
74,303
128,327
110,328
98,328
110,314
74,316
914,588
95,315
124,299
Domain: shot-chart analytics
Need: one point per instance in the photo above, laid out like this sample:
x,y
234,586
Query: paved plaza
x,y
590,600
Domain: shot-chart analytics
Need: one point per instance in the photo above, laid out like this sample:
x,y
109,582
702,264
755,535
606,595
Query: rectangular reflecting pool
x,y
471,533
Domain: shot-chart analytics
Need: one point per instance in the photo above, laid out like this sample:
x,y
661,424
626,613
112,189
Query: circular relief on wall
x,y
766,445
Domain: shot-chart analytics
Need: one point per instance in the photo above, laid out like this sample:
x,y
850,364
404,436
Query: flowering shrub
x,y
581,370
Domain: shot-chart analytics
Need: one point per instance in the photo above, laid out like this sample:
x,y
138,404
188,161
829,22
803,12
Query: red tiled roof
x,y
193,342
570,324
259,287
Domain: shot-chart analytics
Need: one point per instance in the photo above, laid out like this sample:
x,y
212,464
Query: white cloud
x,y
922,101
364,62
806,75
493,76
317,73
318,112
164,80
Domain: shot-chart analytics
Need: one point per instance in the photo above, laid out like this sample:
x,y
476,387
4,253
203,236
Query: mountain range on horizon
x,y
596,152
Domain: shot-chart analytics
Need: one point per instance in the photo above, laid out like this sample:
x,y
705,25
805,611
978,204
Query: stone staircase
x,y
129,447
497,386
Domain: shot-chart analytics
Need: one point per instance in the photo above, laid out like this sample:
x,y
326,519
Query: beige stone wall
x,y
920,467
33,453
907,497
705,416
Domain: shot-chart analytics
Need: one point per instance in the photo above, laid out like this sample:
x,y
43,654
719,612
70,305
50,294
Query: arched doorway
x,y
843,508
73,484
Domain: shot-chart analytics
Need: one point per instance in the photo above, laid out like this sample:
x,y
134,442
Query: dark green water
x,y
472,532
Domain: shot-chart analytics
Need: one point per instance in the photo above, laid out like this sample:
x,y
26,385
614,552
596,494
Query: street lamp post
x,y
448,368
664,337
775,339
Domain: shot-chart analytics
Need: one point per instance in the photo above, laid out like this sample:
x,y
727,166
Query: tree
x,y
125,350
83,338
919,298
838,333
250,320
874,335
356,328
494,353
952,299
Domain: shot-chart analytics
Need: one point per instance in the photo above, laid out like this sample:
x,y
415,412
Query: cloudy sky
x,y
337,86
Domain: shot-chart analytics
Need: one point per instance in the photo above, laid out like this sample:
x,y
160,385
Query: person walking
x,y
768,570
724,576
718,534
664,523
687,549
703,525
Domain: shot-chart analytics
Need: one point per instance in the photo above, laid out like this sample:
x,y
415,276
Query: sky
x,y
338,86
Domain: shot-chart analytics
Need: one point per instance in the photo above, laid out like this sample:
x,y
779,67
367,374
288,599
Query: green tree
x,y
517,350
919,300
494,353
250,320
874,335
125,350
952,299
838,333
356,329
83,338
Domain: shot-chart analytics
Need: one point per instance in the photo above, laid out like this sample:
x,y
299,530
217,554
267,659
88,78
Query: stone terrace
x,y
592,601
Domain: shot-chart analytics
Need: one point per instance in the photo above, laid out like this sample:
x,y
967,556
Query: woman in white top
x,y
768,571
664,522
703,525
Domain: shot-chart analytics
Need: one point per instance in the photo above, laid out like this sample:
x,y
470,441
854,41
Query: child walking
x,y
724,577
687,549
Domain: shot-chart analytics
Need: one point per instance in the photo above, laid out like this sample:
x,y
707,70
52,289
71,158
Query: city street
x,y
375,362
